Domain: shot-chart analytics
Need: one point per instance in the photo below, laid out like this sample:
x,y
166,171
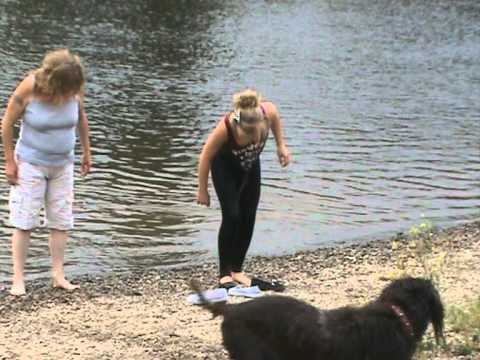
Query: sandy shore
x,y
146,316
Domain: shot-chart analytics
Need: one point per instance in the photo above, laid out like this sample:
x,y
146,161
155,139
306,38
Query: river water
x,y
380,103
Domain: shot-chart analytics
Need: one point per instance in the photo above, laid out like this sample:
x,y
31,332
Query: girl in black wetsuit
x,y
232,153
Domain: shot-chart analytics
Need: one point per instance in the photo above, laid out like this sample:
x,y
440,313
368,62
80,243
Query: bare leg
x,y
20,243
58,243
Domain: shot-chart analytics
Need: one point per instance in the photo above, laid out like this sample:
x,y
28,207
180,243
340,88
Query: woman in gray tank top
x,y
40,168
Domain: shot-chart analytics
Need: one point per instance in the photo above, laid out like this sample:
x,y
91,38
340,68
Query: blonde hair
x,y
246,99
248,114
61,74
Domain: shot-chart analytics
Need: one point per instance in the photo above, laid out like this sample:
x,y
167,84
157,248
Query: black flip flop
x,y
268,285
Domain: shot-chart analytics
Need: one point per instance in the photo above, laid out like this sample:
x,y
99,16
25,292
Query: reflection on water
x,y
379,100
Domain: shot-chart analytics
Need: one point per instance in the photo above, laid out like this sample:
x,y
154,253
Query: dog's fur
x,y
281,328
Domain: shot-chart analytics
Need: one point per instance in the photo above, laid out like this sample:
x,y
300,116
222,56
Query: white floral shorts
x,y
48,188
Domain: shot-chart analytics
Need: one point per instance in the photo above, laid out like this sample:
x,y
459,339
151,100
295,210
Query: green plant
x,y
465,326
419,256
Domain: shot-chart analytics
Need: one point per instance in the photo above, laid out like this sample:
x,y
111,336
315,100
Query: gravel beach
x,y
145,315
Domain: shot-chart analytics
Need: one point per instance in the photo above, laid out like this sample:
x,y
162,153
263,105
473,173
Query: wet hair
x,y
248,115
61,74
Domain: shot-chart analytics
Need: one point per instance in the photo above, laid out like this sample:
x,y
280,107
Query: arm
x,y
277,128
214,143
15,108
84,134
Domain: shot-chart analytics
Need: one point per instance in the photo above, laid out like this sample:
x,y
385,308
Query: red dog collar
x,y
404,319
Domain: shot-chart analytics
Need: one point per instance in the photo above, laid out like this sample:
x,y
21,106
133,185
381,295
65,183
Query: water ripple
x,y
379,101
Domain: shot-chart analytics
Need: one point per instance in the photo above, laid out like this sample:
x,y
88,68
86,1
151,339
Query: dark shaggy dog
x,y
281,328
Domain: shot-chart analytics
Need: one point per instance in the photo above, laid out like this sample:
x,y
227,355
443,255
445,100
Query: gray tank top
x,y
48,133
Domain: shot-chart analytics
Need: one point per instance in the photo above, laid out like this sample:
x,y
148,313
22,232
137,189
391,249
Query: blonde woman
x,y
232,153
40,167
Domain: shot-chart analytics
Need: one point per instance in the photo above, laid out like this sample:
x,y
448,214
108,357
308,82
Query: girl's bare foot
x,y
63,283
225,279
241,278
18,289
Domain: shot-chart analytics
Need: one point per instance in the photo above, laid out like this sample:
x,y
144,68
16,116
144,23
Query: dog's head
x,y
419,298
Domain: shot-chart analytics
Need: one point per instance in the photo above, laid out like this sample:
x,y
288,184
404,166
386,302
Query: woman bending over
x,y
232,154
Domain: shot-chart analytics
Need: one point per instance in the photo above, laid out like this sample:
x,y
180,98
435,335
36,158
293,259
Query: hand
x,y
86,164
283,155
11,172
203,198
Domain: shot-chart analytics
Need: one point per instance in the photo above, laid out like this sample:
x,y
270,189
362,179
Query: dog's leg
x,y
259,352
242,344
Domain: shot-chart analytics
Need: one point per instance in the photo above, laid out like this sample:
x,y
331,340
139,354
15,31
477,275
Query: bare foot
x,y
225,279
18,289
64,284
241,278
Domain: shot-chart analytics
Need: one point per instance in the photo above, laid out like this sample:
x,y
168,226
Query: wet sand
x,y
145,315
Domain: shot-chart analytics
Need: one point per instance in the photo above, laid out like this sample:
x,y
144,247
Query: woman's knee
x,y
22,232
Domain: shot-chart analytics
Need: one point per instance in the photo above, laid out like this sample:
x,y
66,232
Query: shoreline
x,y
144,314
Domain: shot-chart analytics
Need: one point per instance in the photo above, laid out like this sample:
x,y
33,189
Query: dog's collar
x,y
403,318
